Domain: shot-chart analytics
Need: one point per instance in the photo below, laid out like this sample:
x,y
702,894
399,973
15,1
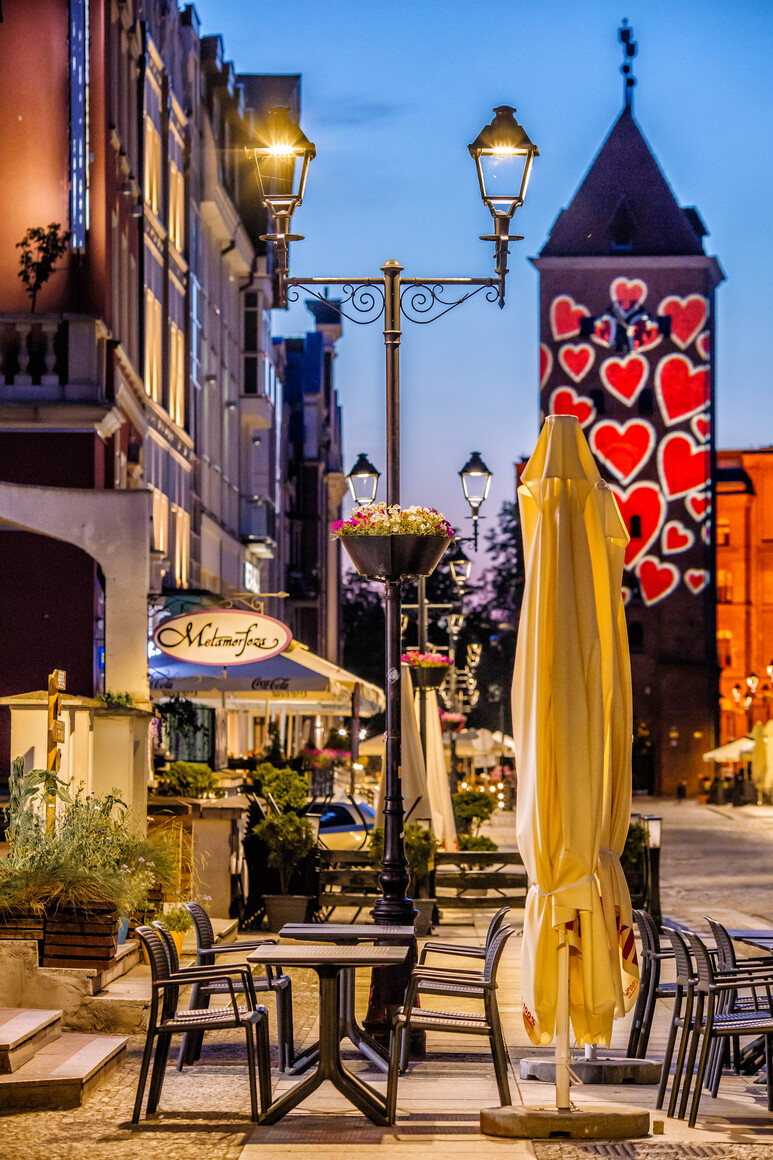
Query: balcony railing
x,y
52,357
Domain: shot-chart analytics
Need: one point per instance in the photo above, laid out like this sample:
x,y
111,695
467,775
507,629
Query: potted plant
x,y
394,543
428,670
289,840
178,921
472,807
634,863
421,845
187,779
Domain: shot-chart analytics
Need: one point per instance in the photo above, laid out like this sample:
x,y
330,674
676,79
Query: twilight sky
x,y
392,94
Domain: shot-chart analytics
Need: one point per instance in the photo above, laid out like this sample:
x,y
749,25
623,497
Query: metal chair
x,y
712,1024
164,1021
686,979
460,984
434,946
650,987
273,980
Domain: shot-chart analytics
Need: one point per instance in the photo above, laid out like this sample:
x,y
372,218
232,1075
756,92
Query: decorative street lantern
x,y
363,480
476,481
282,162
461,567
503,154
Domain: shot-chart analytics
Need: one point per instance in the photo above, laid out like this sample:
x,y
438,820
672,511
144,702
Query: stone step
x,y
23,1031
62,1074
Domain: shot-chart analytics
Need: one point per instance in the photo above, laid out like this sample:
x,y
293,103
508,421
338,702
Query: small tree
x,y
289,840
41,248
472,807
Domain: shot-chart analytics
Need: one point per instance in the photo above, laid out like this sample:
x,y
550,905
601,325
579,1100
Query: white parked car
x,y
343,825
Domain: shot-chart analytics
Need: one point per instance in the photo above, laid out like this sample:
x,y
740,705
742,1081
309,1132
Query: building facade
x,y
627,345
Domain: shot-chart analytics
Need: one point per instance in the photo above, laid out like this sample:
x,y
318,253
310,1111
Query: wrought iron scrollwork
x,y
365,298
427,299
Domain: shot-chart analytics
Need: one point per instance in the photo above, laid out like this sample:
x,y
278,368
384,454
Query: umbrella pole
x,y
563,1102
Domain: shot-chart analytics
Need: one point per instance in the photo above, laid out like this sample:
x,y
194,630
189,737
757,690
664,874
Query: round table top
x,y
321,955
324,932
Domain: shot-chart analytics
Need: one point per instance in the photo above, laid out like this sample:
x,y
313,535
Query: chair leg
x,y
649,1011
669,1048
395,1043
264,1063
638,1011
144,1067
498,1052
696,1099
405,1043
769,1069
159,1070
680,1058
688,1071
284,1027
250,1042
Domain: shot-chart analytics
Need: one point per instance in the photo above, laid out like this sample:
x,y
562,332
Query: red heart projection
x,y
645,334
682,389
576,359
696,579
701,427
628,294
676,538
626,594
566,401
698,506
625,377
545,364
688,317
656,579
683,466
602,330
645,501
706,532
623,447
565,315
703,345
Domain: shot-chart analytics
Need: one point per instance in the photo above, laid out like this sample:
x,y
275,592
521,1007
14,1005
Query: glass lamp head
x,y
476,481
362,480
282,162
503,154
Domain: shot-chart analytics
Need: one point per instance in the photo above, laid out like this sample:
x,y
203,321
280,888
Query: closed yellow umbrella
x,y
560,736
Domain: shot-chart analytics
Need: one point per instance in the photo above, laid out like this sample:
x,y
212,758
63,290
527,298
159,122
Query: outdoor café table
x,y
347,934
755,938
329,961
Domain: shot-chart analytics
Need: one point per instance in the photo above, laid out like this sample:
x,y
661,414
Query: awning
x,y
297,678
732,751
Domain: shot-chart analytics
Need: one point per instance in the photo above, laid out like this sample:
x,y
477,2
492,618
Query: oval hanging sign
x,y
222,637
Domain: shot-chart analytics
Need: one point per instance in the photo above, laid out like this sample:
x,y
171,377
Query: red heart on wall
x,y
698,506
656,579
682,389
545,363
645,501
703,344
701,426
566,401
645,334
683,466
626,594
565,315
676,538
576,359
623,447
706,532
688,316
628,294
625,377
696,579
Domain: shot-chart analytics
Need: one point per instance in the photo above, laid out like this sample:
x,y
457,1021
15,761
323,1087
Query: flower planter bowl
x,y
428,676
398,557
284,908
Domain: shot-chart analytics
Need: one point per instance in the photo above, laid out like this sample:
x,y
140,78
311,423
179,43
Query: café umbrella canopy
x,y
559,732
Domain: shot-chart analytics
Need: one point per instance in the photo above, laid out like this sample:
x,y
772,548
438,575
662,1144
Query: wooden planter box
x,y
78,938
22,923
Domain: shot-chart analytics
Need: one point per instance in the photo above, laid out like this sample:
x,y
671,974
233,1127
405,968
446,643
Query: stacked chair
x,y
651,988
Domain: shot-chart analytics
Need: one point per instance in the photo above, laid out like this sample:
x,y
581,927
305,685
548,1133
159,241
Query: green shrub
x,y
177,918
288,789
634,850
187,779
421,845
477,842
473,807
289,839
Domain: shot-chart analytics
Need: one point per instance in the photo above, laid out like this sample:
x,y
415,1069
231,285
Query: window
x,y
160,521
724,649
724,586
182,546
152,346
152,165
723,533
646,401
599,400
176,374
635,528
176,207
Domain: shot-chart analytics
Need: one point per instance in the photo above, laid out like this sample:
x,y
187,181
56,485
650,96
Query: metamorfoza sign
x,y
226,637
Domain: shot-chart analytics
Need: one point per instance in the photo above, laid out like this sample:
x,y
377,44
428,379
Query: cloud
x,y
354,111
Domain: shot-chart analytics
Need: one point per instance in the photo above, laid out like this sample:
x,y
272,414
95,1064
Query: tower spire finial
x,y
625,36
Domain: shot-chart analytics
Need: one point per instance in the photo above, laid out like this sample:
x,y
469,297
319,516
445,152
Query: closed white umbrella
x,y
438,789
413,772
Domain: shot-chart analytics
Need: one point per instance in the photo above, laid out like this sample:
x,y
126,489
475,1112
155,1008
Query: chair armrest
x,y
196,975
466,984
237,947
440,973
441,948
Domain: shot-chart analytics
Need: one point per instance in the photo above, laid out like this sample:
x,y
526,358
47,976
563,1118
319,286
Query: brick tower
x,y
627,345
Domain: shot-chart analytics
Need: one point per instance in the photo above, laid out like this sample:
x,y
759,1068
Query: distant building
x,y
744,587
627,343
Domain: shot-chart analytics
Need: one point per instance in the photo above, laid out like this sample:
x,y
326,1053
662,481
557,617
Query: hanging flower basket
x,y
428,670
391,543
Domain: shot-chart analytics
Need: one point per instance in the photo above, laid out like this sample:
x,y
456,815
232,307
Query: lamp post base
x,y
592,1122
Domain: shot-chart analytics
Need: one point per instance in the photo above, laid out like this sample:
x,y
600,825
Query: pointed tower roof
x,y
625,206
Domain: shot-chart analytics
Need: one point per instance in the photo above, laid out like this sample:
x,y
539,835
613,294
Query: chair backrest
x,y
495,925
494,953
727,957
159,968
205,935
169,946
648,931
685,971
702,961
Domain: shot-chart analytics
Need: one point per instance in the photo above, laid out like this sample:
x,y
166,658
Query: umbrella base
x,y
611,1070
592,1122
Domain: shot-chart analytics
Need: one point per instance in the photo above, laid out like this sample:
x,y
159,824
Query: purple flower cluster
x,y
379,520
419,660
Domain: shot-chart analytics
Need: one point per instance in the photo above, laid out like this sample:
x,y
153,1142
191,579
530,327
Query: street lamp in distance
x,y
476,481
362,480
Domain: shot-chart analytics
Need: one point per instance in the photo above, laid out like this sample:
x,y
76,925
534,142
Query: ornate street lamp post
x,y
476,481
503,155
